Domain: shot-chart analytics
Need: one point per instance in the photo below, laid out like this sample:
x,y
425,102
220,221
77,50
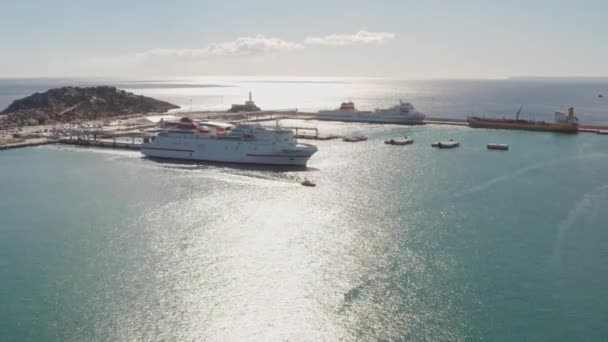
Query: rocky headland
x,y
76,104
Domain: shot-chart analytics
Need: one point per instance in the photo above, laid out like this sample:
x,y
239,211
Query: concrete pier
x,y
114,143
28,143
101,143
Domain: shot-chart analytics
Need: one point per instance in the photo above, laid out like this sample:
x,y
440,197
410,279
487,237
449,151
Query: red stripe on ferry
x,y
165,149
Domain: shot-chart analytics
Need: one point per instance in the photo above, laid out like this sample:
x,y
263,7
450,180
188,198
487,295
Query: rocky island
x,y
74,104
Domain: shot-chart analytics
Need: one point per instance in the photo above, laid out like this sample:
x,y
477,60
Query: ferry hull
x,y
229,154
545,127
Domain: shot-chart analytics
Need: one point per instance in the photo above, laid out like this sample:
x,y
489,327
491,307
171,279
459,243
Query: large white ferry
x,y
402,113
216,142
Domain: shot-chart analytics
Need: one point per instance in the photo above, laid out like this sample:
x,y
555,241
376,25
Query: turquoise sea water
x,y
395,243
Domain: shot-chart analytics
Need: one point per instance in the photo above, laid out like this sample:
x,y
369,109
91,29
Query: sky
x,y
396,39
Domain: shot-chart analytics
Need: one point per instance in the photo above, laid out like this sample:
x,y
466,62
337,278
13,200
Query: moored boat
x,y
501,147
400,141
403,113
446,144
354,138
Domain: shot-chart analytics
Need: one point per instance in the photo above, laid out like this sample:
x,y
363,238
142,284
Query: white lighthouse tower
x,y
249,106
250,102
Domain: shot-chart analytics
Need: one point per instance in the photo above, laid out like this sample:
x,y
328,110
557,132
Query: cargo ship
x,y
563,123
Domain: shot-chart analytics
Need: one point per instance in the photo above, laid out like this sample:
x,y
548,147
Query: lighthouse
x,y
249,106
250,102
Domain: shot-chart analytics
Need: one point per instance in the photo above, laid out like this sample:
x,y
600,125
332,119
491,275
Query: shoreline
x,y
7,141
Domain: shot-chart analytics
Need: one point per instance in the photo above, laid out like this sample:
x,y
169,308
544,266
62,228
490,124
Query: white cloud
x,y
228,54
260,45
241,47
361,37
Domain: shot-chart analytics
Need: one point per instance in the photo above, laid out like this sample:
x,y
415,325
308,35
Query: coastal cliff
x,y
71,104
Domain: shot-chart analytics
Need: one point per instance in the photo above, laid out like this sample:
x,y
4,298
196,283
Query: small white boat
x,y
501,147
446,144
354,138
399,141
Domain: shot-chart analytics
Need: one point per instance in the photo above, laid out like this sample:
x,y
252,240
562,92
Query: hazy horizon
x,y
311,77
396,39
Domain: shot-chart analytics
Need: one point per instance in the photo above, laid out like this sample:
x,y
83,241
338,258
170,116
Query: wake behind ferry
x,y
220,142
403,113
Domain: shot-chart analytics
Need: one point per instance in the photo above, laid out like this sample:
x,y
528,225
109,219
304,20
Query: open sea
x,y
396,243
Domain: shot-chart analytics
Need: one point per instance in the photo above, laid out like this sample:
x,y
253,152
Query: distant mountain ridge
x,y
68,104
558,78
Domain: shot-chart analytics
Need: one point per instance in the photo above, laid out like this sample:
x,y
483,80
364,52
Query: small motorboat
x,y
309,183
501,147
354,138
446,144
404,141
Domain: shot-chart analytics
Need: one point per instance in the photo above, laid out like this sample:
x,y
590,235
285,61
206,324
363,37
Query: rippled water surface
x,y
394,243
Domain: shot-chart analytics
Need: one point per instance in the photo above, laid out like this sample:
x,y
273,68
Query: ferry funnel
x,y
571,113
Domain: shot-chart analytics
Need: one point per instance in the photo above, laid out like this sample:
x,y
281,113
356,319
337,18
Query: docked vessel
x,y
244,143
446,144
565,123
354,138
403,113
404,141
500,147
